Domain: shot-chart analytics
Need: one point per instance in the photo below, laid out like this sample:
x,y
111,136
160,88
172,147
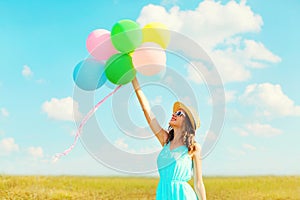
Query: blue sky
x,y
253,44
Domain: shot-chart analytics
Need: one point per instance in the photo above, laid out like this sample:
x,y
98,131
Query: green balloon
x,y
126,35
119,69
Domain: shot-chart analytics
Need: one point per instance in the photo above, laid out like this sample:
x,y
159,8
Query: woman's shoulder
x,y
197,146
197,150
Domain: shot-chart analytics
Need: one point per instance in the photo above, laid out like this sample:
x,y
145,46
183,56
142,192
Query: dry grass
x,y
69,187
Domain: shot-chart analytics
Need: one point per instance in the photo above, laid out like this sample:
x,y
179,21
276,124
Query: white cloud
x,y
194,75
198,73
249,147
230,65
169,80
4,112
265,130
62,109
209,136
157,100
40,81
230,96
256,51
235,152
7,146
214,21
219,97
187,100
222,96
219,29
73,132
240,131
146,150
35,152
2,132
156,13
257,129
26,72
270,100
232,62
238,152
121,144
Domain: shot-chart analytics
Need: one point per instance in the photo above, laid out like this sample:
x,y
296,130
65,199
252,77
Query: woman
x,y
180,156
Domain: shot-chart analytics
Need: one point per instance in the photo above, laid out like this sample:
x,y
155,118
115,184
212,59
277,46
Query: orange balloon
x,y
149,59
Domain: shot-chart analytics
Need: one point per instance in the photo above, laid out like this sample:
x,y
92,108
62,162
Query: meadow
x,y
85,188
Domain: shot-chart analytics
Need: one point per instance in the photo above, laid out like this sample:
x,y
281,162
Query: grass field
x,y
69,187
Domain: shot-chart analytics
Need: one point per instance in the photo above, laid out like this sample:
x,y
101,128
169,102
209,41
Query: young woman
x,y
180,156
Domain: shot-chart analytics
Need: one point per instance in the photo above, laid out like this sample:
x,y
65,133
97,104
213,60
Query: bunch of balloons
x,y
119,54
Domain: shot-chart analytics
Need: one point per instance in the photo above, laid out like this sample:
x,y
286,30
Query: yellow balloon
x,y
156,32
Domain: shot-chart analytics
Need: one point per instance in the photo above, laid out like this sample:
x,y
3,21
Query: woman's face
x,y
177,119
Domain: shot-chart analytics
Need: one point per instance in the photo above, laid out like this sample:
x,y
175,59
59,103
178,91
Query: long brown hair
x,y
188,136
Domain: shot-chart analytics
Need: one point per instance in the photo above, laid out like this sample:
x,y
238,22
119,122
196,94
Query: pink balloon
x,y
149,59
99,44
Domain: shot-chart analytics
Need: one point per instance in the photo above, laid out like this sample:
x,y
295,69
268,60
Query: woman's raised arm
x,y
159,132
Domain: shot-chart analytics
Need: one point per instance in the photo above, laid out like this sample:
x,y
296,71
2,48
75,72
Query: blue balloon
x,y
89,74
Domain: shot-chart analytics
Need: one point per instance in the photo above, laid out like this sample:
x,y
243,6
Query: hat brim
x,y
178,105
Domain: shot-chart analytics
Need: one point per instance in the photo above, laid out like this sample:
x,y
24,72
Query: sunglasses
x,y
179,113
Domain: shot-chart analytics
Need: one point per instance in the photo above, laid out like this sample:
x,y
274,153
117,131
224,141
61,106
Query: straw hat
x,y
191,113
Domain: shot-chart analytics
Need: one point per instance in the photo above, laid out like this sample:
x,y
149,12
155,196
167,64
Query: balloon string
x,y
83,122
